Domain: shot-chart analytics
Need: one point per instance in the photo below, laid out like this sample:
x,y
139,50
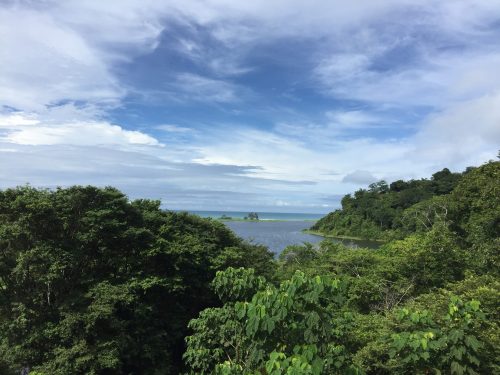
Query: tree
x,y
252,216
296,328
475,215
379,187
444,181
426,346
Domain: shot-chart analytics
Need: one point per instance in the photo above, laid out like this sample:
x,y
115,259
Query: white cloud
x,y
44,63
282,156
429,54
80,42
65,51
78,134
459,136
243,21
17,119
353,119
140,172
171,128
359,177
335,127
466,133
31,130
341,67
438,81
189,86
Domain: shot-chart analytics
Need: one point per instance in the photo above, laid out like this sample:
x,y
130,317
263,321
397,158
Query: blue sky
x,y
232,105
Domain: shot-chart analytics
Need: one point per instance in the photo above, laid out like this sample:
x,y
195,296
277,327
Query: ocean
x,y
262,215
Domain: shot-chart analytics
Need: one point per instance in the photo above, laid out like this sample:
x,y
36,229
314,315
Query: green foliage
x,y
303,327
475,215
485,289
450,347
298,257
237,284
431,259
91,283
374,278
422,216
379,211
298,327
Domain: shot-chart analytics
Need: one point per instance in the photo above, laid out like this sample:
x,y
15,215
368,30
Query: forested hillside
x,y
381,211
91,283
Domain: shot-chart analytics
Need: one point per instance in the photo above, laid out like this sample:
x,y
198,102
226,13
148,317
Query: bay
x,y
277,230
278,235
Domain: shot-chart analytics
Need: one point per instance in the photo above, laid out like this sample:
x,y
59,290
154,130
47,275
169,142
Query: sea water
x,y
277,235
262,215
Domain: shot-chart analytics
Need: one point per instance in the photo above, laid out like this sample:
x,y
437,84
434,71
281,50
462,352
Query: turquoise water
x,y
262,215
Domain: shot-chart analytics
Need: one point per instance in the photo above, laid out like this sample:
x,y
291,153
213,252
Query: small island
x,y
252,216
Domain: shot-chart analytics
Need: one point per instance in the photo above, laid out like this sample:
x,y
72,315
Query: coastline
x,y
321,234
238,216
262,220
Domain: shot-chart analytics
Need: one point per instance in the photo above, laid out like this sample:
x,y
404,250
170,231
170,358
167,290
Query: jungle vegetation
x,y
92,283
382,210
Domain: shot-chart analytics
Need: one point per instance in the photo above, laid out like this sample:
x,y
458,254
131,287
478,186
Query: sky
x,y
278,106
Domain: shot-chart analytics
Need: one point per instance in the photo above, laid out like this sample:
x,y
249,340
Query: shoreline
x,y
321,234
263,220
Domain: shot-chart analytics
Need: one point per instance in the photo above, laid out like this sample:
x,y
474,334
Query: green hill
x,y
384,211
